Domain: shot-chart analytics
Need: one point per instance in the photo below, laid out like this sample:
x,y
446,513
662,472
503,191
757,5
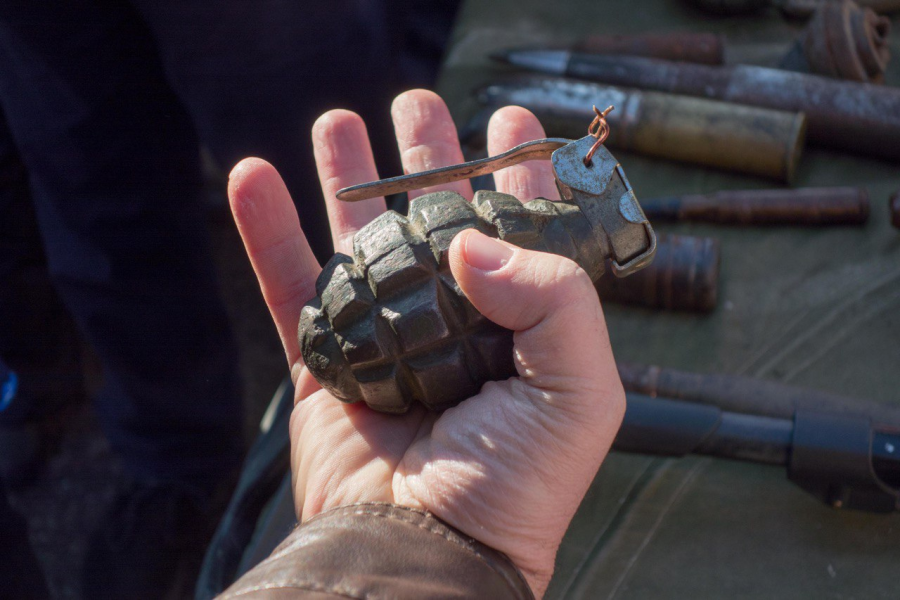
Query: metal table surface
x,y
813,307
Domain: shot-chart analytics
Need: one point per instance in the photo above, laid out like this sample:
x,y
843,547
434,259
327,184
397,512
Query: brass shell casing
x,y
731,137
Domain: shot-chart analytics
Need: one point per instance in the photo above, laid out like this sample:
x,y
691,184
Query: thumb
x,y
561,343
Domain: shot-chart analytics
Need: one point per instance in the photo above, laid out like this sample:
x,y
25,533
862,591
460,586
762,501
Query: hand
x,y
508,466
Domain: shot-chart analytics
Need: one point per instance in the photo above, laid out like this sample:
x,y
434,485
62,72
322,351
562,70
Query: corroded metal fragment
x,y
684,276
843,41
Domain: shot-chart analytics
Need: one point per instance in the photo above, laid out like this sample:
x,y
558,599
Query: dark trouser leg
x,y
37,337
20,572
422,32
114,171
255,76
19,251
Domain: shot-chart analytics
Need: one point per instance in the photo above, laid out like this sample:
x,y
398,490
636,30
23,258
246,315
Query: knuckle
x,y
428,154
569,278
559,281
309,409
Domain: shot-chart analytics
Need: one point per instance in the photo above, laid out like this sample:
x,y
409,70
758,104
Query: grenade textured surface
x,y
390,325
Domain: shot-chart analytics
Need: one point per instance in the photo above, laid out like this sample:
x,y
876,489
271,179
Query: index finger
x,y
281,257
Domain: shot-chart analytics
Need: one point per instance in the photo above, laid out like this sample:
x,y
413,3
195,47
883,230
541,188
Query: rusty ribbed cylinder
x,y
702,48
860,117
746,394
803,206
843,41
894,204
684,276
726,136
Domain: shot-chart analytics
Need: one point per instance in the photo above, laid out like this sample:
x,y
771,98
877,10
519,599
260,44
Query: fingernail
x,y
485,253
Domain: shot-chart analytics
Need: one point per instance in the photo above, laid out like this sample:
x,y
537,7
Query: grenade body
x,y
390,326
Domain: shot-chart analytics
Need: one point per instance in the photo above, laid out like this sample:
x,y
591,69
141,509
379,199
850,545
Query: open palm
x,y
508,466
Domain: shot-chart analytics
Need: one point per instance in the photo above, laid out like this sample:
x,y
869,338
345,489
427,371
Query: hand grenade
x,y
390,326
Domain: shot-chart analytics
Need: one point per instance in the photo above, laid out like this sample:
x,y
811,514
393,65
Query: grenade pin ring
x,y
599,129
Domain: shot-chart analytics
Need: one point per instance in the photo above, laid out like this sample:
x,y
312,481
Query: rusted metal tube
x,y
746,394
792,8
726,136
894,204
860,117
842,41
804,206
804,8
684,276
730,7
701,48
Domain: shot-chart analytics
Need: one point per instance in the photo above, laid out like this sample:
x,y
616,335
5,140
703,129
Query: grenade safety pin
x,y
390,326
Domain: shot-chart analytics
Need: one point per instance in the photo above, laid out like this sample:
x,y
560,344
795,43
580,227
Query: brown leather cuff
x,y
381,551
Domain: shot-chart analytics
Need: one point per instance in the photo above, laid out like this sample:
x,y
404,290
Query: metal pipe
x,y
702,48
859,117
730,7
843,460
791,8
802,206
804,8
746,394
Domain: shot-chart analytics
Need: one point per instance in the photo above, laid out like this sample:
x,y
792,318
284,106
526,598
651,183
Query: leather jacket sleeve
x,y
380,551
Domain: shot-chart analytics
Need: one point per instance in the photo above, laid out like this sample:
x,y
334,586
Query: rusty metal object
x,y
702,48
803,206
842,41
730,7
746,394
805,8
894,205
791,8
684,276
859,117
390,326
534,150
742,139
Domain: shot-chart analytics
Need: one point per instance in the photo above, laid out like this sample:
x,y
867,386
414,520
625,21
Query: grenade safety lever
x,y
390,325
583,182
534,150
